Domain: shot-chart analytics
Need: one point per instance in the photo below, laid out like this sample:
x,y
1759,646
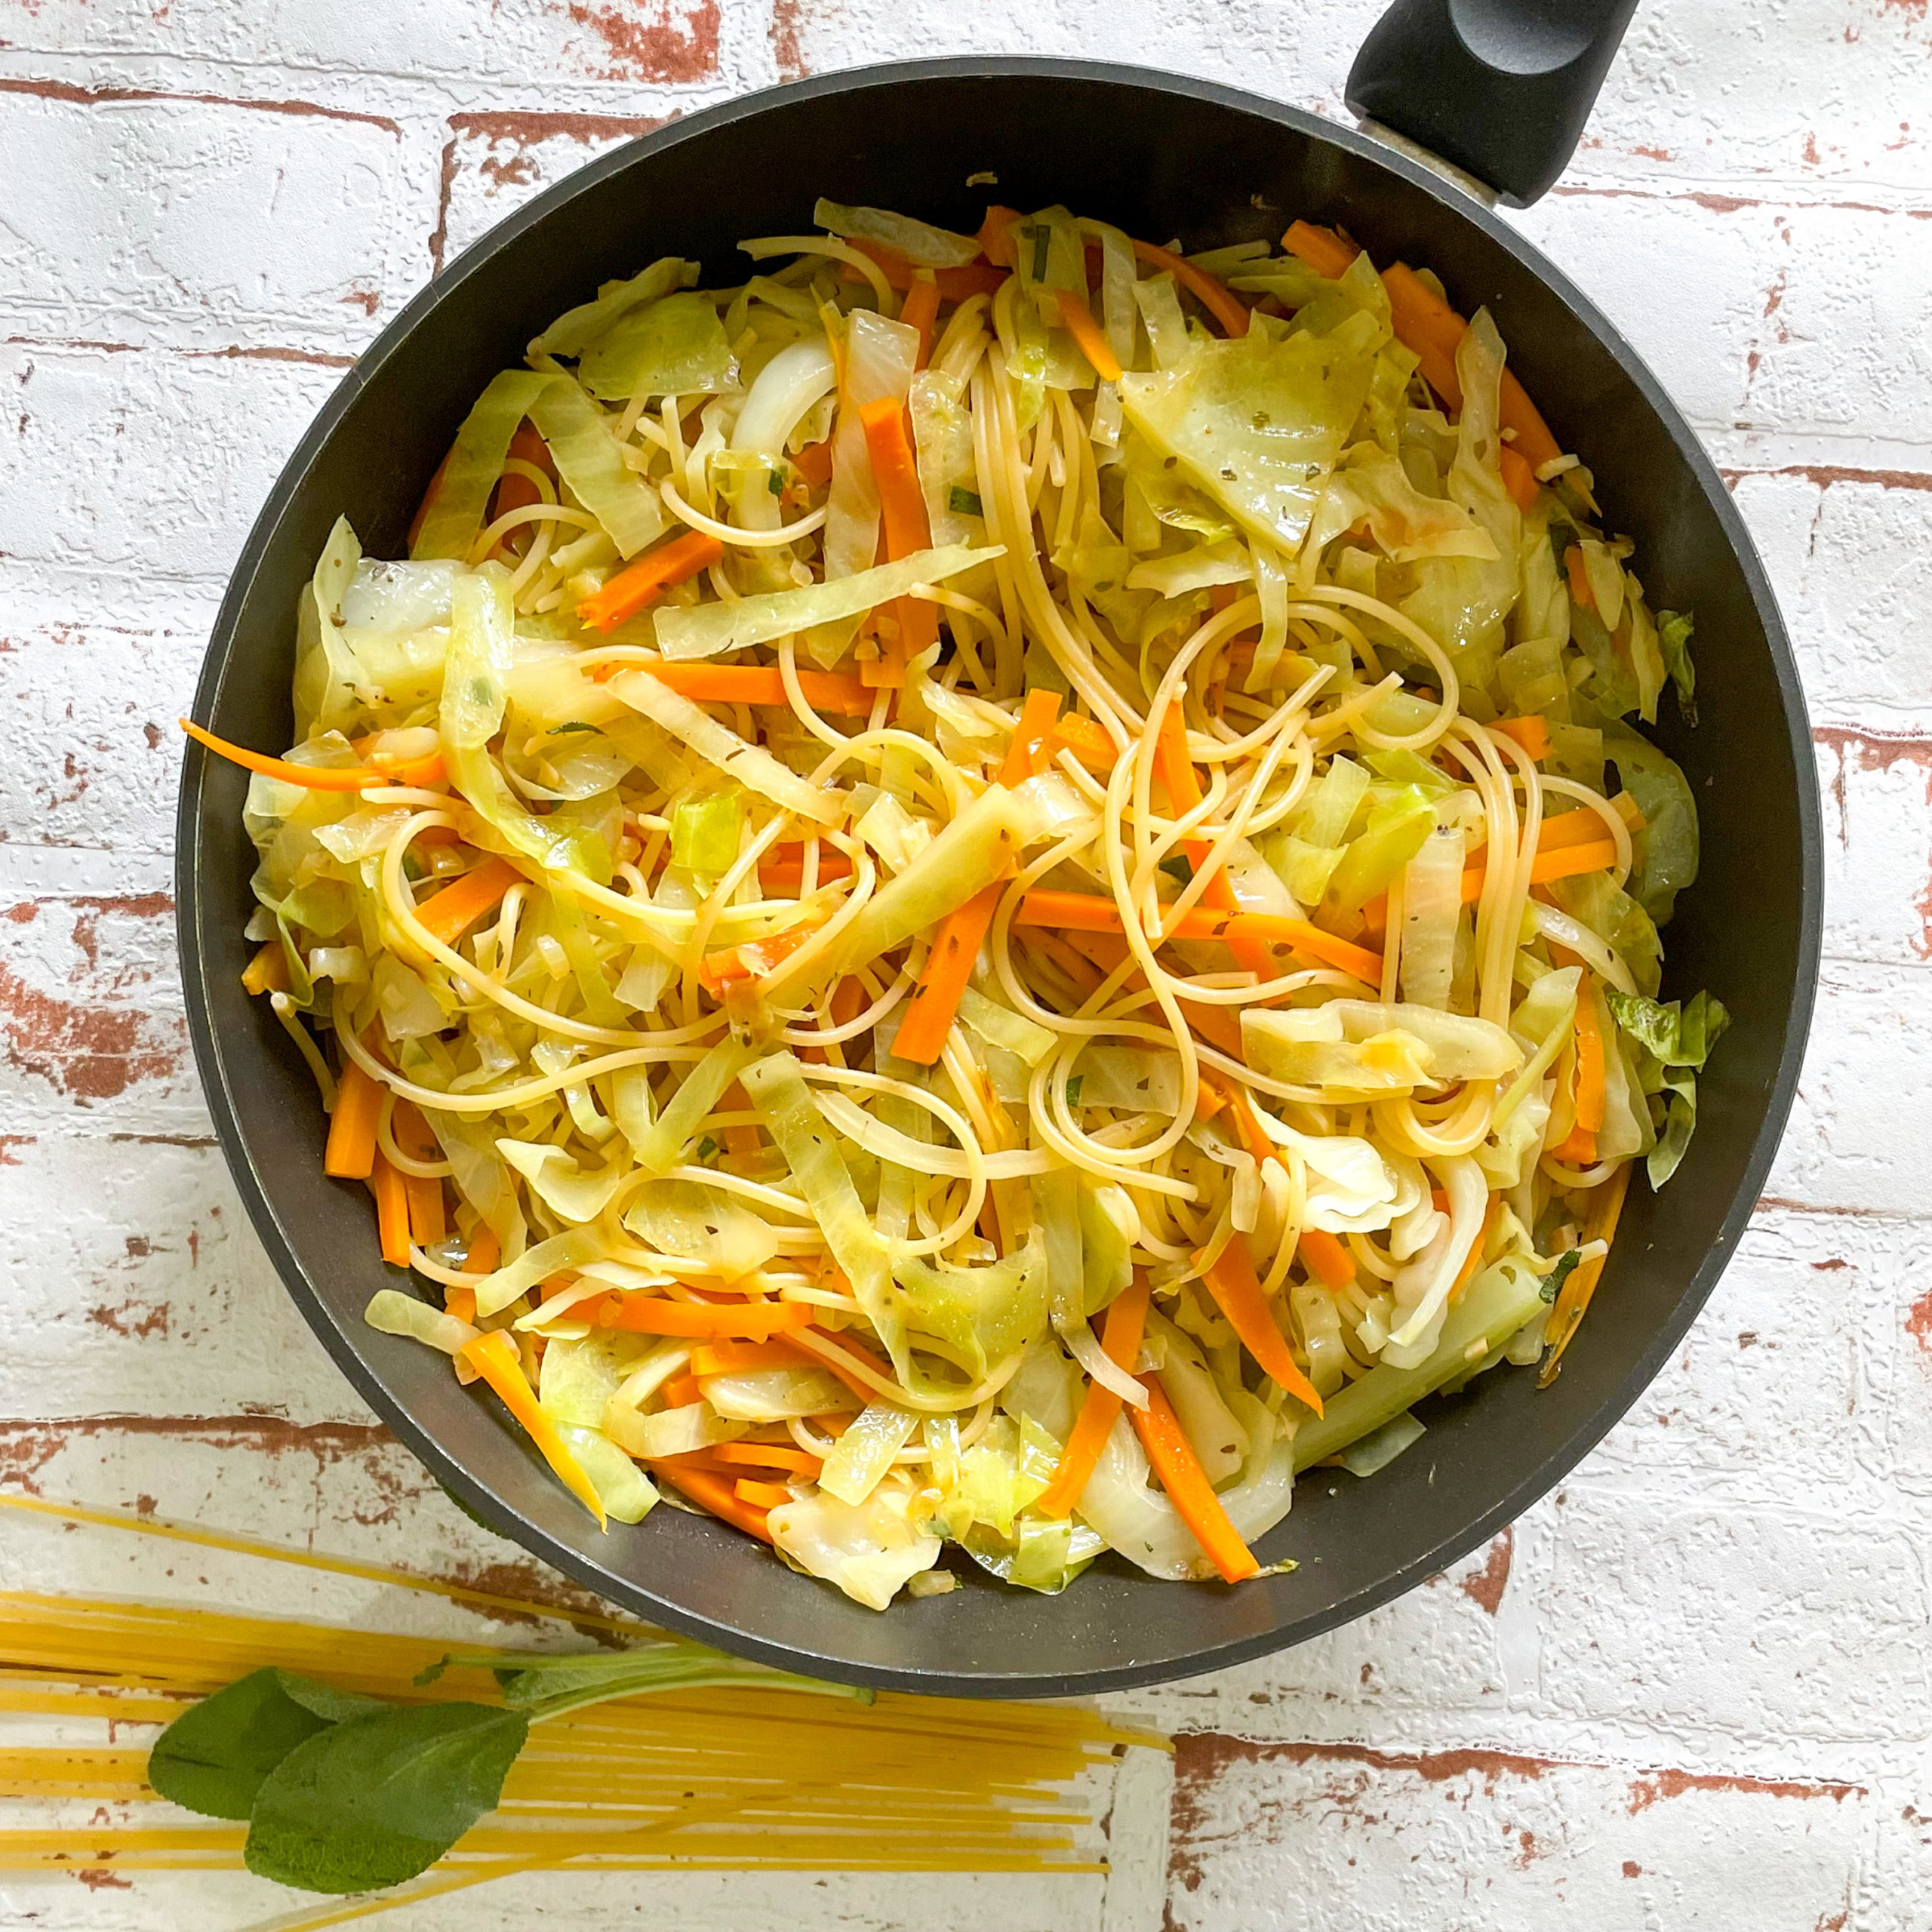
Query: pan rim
x,y
216,1075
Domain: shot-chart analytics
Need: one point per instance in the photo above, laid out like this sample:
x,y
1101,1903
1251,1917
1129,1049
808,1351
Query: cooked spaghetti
x,y
989,891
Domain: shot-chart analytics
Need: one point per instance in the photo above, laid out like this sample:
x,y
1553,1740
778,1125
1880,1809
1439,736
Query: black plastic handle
x,y
1501,88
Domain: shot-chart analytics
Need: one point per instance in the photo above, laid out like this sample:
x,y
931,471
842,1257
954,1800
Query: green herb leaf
x,y
1043,238
964,503
1073,1087
1553,1282
575,725
706,1148
1178,868
213,1757
375,1800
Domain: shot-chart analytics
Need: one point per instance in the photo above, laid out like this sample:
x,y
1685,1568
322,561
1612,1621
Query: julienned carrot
x,y
814,463
958,284
767,1455
1187,1485
1216,299
493,1356
484,1251
427,1222
760,684
1325,1258
1427,324
1182,783
682,1391
1088,333
754,958
1088,912
1570,859
1532,732
1121,1336
1473,1259
1579,1149
387,1184
995,236
784,872
1088,743
642,583
311,777
1580,592
514,492
956,946
902,513
350,1154
919,311
1236,1288
449,914
716,1494
1321,248
651,1314
1585,826
1519,476
759,1495
268,971
1600,1221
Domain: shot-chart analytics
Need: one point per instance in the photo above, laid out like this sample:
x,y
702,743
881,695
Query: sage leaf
x,y
213,1757
375,1800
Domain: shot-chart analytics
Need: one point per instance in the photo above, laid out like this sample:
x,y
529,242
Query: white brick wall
x,y
1690,1690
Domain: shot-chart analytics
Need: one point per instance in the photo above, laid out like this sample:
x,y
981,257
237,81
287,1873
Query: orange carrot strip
x,y
1088,333
427,1222
995,236
651,1314
387,1184
1531,732
484,1250
1473,1260
1321,248
761,1495
1087,741
920,311
1326,1258
759,683
783,869
1427,324
1182,783
1580,1148
955,284
956,946
493,1356
1237,1291
460,1301
1088,912
1212,296
814,463
1605,1211
312,777
1580,592
642,583
351,1152
516,493
451,913
754,958
1519,476
268,971
1187,1485
1585,826
726,1357
1121,1336
767,1456
716,1494
1564,862
682,1391
902,514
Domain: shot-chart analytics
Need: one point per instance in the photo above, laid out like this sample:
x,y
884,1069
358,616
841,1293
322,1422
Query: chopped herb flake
x,y
964,503
1566,1265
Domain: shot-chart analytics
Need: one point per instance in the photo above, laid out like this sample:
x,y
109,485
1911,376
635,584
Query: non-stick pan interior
x,y
1164,159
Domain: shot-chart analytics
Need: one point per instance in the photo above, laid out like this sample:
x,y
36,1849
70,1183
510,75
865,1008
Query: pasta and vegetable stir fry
x,y
991,889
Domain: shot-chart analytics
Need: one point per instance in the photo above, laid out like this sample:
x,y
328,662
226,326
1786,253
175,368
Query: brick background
x,y
1690,1691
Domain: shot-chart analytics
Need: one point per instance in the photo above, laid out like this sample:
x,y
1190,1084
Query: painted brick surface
x,y
1690,1689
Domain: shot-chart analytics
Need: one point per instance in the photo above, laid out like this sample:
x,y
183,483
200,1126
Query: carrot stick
x,y
682,1391
1087,741
1088,912
1531,732
814,463
754,957
1187,1485
387,1184
451,913
1325,1258
1586,827
956,285
783,870
768,1456
268,971
903,513
651,1314
1580,592
1182,783
716,1494
424,1195
351,1152
1570,859
1237,1291
311,777
757,684
516,493
761,1495
642,583
1519,476
995,236
1212,296
494,1357
1473,1259
1087,333
1321,248
956,946
484,1250
1428,325
1580,1149
920,311
1121,1336
1605,1211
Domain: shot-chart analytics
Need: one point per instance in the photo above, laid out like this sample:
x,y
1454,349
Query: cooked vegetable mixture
x,y
991,889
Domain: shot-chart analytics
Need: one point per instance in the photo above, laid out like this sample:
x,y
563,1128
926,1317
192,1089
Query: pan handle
x,y
1501,88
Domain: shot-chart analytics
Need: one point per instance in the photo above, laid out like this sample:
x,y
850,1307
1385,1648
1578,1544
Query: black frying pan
x,y
1162,157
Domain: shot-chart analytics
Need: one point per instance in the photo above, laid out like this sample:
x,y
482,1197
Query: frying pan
x,y
1163,157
